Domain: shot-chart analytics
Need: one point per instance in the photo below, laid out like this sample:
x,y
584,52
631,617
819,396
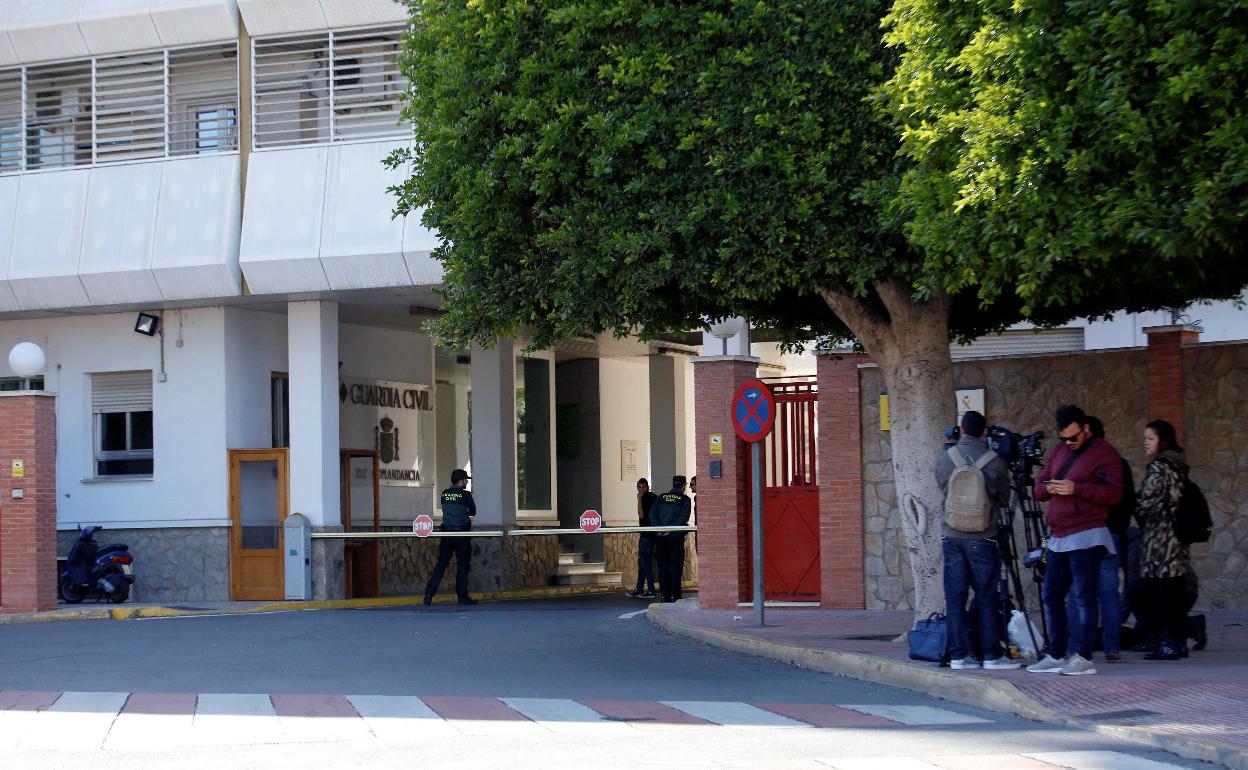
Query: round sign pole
x,y
753,416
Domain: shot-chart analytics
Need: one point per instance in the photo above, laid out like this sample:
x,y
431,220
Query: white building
x,y
218,165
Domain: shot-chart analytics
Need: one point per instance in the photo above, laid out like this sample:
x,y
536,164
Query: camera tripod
x,y
1013,592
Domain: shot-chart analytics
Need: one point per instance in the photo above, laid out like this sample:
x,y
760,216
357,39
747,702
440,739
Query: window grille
x,y
338,86
58,115
117,108
11,120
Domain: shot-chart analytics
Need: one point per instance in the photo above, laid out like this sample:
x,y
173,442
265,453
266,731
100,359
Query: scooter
x,y
107,569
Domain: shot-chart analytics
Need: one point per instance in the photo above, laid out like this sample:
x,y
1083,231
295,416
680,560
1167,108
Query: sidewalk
x,y
1197,708
90,610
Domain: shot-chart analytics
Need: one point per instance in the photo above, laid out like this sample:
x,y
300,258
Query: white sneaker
x,y
1077,665
960,663
1047,665
1001,664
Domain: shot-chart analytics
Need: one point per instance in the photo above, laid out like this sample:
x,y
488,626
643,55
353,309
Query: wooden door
x,y
259,489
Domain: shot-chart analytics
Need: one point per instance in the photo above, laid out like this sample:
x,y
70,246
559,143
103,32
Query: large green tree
x,y
624,165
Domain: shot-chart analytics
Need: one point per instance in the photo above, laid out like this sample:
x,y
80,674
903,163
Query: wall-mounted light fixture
x,y
147,324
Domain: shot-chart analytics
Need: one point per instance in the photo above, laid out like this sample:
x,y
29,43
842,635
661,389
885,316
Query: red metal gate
x,y
790,494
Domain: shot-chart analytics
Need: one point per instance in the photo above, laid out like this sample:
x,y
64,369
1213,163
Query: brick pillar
x,y
839,458
1165,372
723,503
28,524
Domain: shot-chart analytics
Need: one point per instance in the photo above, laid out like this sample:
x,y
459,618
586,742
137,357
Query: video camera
x,y
1019,452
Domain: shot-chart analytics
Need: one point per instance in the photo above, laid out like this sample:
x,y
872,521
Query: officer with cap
x,y
458,508
672,509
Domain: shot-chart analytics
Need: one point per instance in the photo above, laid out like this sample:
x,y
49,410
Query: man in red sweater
x,y
1081,480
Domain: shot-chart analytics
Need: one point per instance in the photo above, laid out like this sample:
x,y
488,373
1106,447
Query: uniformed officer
x,y
672,509
458,508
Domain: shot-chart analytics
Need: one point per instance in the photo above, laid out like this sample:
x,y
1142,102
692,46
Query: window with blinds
x,y
117,108
121,403
327,87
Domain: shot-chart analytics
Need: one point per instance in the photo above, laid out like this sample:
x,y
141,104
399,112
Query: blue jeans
x,y
1072,573
645,563
1110,601
972,564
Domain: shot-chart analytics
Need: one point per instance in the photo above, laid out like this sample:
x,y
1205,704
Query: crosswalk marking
x,y
565,716
153,721
1100,760
400,717
235,719
732,714
318,718
78,720
918,716
880,763
482,716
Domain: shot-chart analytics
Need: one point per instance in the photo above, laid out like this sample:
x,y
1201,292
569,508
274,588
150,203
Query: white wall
x,y
1220,321
190,481
624,388
255,348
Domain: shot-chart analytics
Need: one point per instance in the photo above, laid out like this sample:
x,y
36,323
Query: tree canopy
x,y
1081,154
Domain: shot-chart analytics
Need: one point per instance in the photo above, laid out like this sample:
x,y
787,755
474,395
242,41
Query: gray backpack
x,y
968,508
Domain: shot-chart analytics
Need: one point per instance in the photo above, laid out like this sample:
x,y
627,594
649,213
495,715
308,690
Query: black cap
x,y
678,481
458,475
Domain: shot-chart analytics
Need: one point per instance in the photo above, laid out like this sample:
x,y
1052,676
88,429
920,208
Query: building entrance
x,y
258,506
790,495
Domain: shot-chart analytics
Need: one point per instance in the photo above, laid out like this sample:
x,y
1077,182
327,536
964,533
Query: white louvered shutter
x,y
291,84
58,115
367,83
10,120
130,107
203,100
121,392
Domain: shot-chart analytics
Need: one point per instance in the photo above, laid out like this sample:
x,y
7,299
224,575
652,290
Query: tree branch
x,y
866,324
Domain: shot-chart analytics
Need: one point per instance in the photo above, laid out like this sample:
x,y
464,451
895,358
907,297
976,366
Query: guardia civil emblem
x,y
386,440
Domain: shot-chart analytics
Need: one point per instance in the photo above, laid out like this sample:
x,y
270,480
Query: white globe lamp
x,y
27,360
724,328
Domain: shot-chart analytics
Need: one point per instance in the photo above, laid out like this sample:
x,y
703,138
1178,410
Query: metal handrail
x,y
496,533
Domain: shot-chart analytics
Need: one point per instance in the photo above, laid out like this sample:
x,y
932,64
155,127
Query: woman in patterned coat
x,y
1163,558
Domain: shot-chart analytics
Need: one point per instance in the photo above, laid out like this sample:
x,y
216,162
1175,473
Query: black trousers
x,y
461,548
1164,604
670,552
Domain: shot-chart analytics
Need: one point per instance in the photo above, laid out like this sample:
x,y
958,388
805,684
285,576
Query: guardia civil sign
x,y
394,418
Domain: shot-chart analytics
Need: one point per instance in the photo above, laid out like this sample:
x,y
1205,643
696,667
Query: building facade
x,y
210,171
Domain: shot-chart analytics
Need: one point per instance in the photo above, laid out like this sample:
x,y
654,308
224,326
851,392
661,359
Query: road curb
x,y
991,694
54,616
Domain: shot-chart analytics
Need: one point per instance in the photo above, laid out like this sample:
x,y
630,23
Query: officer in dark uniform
x,y
458,508
672,509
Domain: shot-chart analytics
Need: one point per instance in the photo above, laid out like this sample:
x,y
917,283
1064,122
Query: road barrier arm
x,y
494,533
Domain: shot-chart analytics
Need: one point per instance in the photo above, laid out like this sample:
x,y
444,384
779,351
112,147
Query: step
x,y
597,579
572,558
583,568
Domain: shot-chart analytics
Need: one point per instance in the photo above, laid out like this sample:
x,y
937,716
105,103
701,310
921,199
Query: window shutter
x,y
10,120
130,107
121,392
292,90
58,115
203,100
367,83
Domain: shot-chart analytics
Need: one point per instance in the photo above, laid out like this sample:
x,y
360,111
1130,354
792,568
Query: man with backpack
x,y
976,484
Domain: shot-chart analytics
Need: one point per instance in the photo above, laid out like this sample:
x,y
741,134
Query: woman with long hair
x,y
1163,557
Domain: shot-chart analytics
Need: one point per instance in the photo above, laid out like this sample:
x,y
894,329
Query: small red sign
x,y
423,525
591,521
753,411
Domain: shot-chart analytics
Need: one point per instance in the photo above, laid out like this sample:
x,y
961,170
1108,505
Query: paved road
x,y
581,682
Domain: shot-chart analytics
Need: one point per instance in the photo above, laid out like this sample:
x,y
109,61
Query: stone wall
x,y
1216,381
172,564
498,564
1021,394
620,552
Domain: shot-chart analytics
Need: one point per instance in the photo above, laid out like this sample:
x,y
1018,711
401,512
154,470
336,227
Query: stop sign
x,y
423,525
590,521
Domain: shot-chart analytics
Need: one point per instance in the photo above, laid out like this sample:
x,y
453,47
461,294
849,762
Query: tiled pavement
x,y
152,721
1203,696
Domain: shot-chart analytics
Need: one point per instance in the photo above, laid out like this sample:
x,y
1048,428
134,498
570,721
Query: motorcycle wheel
x,y
71,593
120,595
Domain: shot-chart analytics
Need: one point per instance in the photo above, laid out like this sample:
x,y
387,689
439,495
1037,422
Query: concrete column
x,y
494,434
838,457
1166,394
312,329
724,502
665,457
28,522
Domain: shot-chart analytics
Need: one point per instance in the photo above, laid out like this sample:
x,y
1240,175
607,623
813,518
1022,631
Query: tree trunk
x,y
910,342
